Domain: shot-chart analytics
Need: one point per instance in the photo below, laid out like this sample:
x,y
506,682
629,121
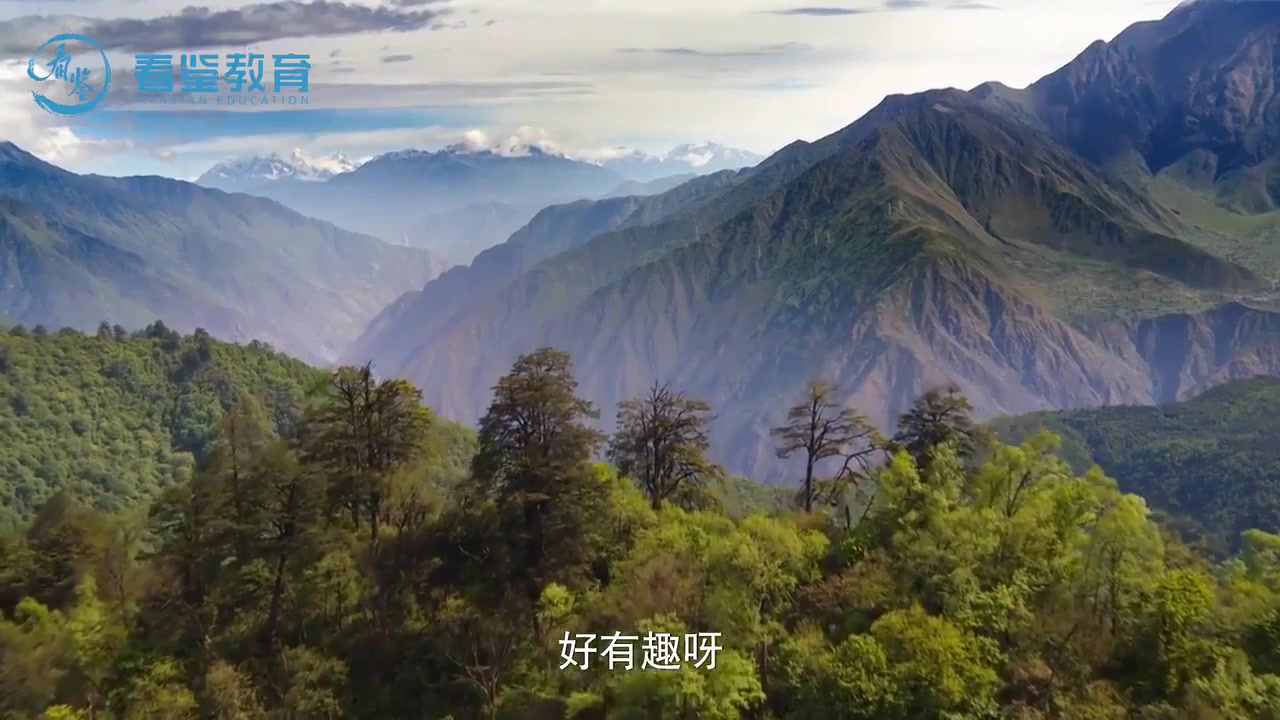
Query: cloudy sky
x,y
587,75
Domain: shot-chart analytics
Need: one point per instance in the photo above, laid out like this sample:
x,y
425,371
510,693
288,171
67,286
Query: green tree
x,y
850,681
229,694
314,684
1007,583
32,659
938,417
158,693
245,432
727,692
291,510
95,639
360,434
534,464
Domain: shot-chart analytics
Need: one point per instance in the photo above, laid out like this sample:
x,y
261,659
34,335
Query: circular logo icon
x,y
74,73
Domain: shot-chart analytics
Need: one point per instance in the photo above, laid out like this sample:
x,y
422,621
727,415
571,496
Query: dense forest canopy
x,y
348,564
116,417
1212,459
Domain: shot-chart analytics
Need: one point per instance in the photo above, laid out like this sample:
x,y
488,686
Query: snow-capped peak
x,y
704,157
525,142
323,165
700,154
297,165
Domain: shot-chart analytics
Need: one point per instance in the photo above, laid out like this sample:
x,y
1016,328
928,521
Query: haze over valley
x,y
464,198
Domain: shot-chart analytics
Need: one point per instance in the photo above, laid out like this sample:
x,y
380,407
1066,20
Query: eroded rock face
x,y
1204,78
1184,353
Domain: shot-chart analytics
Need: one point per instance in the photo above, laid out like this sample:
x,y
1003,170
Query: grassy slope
x,y
1247,239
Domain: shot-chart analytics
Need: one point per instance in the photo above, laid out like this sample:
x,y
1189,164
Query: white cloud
x,y
555,64
720,69
47,136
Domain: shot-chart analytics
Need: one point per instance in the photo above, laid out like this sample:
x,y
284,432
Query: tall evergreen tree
x,y
534,463
245,432
940,416
362,432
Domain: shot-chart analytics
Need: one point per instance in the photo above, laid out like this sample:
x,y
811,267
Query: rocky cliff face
x,y
1182,354
1201,83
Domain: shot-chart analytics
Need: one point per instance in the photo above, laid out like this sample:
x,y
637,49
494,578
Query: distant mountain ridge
x,y
421,198
990,238
652,187
79,249
463,198
638,166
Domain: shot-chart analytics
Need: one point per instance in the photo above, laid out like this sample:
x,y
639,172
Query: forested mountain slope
x,y
114,418
1212,458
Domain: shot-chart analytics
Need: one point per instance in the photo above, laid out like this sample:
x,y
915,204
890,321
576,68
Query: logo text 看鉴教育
x,y
235,78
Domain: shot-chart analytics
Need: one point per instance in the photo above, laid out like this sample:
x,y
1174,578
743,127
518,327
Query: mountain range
x,y
463,198
79,249
1103,236
237,174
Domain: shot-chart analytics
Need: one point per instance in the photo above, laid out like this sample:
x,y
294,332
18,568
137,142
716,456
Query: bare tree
x,y
661,444
825,429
